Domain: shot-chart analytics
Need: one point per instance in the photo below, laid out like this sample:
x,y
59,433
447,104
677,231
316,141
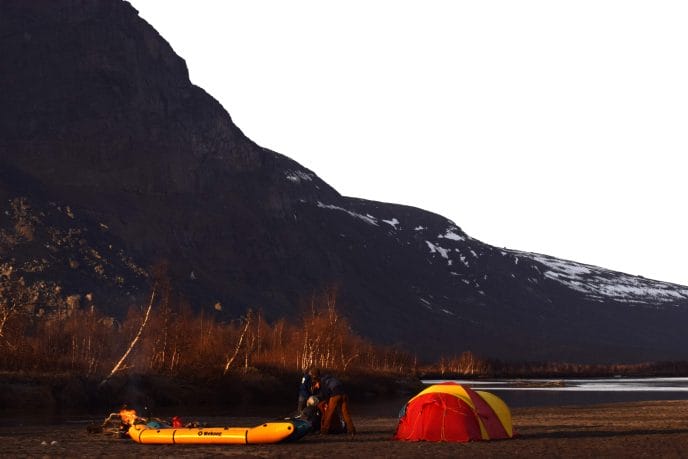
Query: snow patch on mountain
x,y
366,218
450,234
601,284
437,249
298,176
393,223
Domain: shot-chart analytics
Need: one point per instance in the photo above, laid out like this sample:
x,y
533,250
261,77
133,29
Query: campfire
x,y
117,424
128,417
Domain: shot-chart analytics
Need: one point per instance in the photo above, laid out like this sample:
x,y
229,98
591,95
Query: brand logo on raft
x,y
209,434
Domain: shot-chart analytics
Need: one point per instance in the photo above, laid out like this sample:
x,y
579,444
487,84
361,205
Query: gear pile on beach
x,y
118,424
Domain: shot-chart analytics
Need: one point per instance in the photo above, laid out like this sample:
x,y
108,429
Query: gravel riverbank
x,y
641,429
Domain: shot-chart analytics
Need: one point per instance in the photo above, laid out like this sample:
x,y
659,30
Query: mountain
x,y
112,161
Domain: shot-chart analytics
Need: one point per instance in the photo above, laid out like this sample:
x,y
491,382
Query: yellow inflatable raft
x,y
270,432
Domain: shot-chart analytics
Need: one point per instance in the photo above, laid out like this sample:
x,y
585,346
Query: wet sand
x,y
641,429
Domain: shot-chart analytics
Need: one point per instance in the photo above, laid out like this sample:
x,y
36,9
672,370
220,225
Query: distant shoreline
x,y
64,393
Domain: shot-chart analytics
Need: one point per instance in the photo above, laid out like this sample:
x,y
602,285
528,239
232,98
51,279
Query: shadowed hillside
x,y
111,161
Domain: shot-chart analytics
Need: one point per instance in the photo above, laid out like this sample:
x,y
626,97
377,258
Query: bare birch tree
x,y
230,359
15,297
119,364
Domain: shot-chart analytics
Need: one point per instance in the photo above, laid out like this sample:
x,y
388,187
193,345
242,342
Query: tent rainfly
x,y
454,412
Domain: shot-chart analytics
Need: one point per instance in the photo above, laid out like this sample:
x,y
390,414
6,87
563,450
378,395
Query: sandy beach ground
x,y
642,429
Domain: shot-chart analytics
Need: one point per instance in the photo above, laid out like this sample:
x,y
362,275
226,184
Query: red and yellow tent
x,y
454,412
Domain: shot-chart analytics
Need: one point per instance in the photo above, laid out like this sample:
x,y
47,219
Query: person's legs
x,y
322,409
332,405
350,429
301,405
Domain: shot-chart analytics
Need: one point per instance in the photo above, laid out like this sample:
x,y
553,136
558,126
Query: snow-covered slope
x,y
600,284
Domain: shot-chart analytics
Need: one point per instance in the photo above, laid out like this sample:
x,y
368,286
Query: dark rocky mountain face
x,y
112,161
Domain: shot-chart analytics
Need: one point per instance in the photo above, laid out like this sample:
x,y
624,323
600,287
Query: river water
x,y
515,392
544,392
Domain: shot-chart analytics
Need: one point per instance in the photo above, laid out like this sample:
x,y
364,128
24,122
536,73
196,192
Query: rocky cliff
x,y
112,161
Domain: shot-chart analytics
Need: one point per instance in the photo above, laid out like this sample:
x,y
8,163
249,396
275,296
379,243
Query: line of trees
x,y
469,365
169,338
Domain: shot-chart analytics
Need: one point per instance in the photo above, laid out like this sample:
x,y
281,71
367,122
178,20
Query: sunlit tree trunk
x,y
118,365
237,348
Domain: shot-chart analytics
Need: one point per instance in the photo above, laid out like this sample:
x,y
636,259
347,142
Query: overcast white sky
x,y
558,127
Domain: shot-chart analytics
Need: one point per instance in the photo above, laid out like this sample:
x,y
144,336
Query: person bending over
x,y
331,391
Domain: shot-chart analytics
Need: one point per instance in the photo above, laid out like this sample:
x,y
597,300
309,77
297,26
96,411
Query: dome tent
x,y
454,412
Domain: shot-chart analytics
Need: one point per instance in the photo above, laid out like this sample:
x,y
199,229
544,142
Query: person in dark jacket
x,y
330,391
305,391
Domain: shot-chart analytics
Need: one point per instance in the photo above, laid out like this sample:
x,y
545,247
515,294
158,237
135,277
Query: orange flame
x,y
128,416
